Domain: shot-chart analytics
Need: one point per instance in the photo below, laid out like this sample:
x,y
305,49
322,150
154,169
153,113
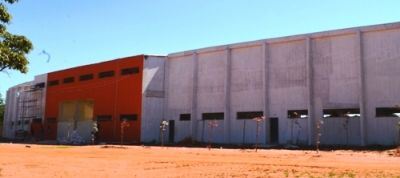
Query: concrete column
x,y
165,114
166,86
310,86
194,119
228,78
362,98
265,71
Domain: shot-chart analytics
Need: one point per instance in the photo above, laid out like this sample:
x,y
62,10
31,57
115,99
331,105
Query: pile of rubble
x,y
72,138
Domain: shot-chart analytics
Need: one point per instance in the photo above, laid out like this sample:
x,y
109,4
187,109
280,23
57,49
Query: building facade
x,y
340,87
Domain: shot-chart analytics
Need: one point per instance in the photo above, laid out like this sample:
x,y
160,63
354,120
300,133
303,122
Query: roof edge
x,y
328,33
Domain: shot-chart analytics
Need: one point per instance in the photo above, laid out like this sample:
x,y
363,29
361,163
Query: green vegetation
x,y
2,107
13,48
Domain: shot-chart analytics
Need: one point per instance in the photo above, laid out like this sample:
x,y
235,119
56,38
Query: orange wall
x,y
111,96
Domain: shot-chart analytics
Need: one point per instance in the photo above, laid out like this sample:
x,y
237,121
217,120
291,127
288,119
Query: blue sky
x,y
76,32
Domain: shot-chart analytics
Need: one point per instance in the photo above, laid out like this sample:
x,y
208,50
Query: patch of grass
x,y
351,174
63,147
331,174
57,147
286,172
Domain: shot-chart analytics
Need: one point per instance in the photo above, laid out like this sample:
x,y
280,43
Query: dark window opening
x,y
40,85
69,80
213,116
18,122
128,117
293,114
249,115
86,77
37,120
106,74
129,71
26,122
12,123
51,120
352,112
388,112
104,118
184,117
53,83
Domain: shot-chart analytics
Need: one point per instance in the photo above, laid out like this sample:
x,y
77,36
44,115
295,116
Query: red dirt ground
x,y
20,160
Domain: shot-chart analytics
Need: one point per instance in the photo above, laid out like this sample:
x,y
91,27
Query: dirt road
x,y
19,160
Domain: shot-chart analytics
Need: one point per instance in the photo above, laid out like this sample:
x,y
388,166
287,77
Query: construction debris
x,y
72,139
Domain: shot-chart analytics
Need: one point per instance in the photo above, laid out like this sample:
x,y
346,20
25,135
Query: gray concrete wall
x,y
336,76
381,51
210,88
152,98
349,68
246,93
288,86
179,96
13,111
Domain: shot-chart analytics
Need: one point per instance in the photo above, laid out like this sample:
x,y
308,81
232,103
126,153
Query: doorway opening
x,y
171,130
274,130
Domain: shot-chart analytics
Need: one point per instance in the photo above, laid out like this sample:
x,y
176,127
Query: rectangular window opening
x,y
101,118
53,83
351,112
213,116
128,117
86,77
37,120
130,71
69,80
51,120
388,112
40,85
106,74
297,114
249,114
184,117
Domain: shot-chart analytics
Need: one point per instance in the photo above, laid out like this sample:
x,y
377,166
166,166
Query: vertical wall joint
x,y
310,87
195,79
362,99
266,79
228,77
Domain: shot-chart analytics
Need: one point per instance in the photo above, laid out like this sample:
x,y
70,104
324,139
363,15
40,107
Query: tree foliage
x,y
2,107
13,48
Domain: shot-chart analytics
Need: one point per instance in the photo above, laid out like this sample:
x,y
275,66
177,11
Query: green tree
x,y
13,48
2,106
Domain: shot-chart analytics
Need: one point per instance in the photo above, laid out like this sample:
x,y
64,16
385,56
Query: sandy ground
x,y
20,160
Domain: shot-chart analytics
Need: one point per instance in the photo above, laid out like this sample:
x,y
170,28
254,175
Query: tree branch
x,y
4,67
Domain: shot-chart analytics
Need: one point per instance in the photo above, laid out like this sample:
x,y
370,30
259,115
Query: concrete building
x,y
105,93
341,87
108,93
25,106
346,81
